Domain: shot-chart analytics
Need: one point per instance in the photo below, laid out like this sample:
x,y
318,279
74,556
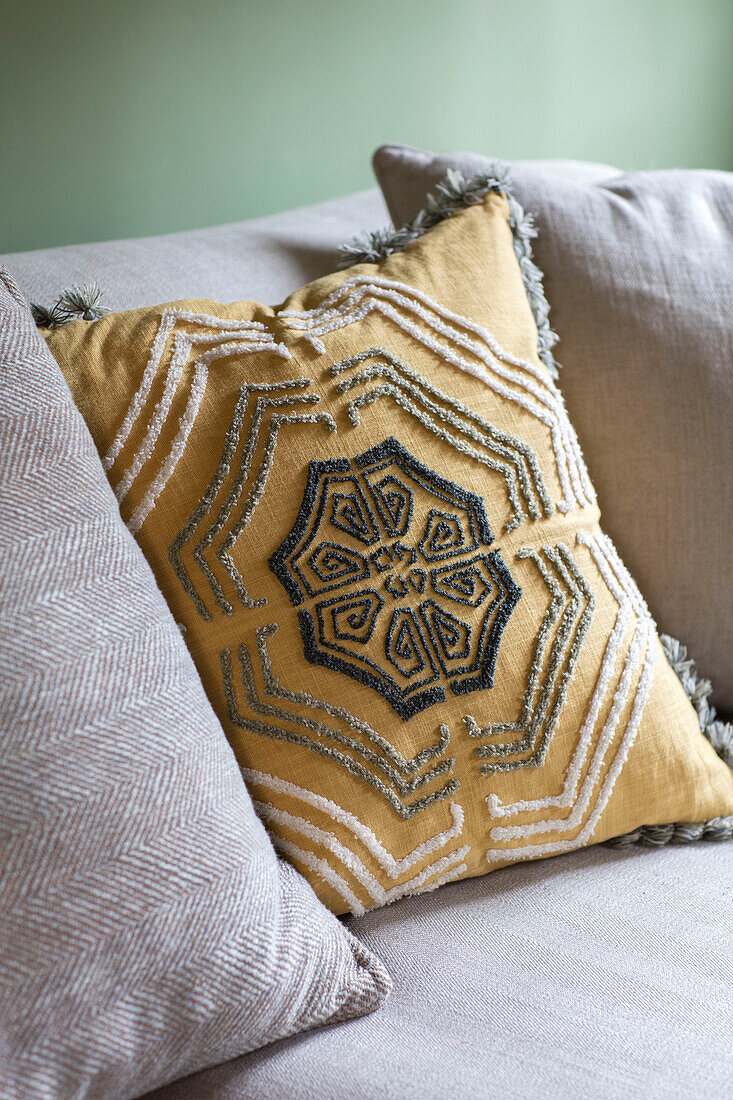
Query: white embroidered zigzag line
x,y
545,403
647,641
326,840
181,349
393,867
377,893
186,423
329,307
547,394
626,578
339,884
535,851
572,776
449,876
369,293
167,324
322,868
417,885
183,343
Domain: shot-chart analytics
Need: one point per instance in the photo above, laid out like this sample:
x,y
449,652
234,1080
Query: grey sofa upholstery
x,y
597,974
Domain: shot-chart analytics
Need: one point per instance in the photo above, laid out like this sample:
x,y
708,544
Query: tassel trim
x,y
720,736
456,193
73,304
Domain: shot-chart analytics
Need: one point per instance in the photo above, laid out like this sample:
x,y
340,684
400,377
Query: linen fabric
x,y
370,516
147,928
639,273
595,974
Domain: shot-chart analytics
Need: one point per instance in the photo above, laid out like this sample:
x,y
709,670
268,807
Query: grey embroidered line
x,y
213,489
405,810
501,442
394,389
623,589
573,621
275,689
387,390
267,710
257,492
235,491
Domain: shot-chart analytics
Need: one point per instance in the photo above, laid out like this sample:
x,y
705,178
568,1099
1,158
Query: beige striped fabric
x,y
147,928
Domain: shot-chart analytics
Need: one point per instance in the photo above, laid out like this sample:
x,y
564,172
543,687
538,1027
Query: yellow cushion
x,y
371,518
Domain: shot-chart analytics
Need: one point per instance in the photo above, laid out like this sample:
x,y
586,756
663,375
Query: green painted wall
x,y
128,117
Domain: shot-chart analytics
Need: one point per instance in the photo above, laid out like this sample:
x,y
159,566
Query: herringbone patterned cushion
x,y
147,928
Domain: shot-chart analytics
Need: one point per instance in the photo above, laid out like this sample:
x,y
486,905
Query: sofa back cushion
x,y
639,273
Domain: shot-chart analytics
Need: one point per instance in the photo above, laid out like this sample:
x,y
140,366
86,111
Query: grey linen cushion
x,y
147,928
639,275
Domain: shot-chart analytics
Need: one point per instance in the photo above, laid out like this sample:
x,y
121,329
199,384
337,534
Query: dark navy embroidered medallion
x,y
389,566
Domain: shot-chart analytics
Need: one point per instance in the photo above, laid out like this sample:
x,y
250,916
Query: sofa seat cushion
x,y
596,974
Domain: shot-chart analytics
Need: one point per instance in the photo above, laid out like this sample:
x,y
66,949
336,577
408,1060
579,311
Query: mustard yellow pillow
x,y
373,522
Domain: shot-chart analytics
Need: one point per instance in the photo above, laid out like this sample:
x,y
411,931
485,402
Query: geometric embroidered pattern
x,y
377,762
452,422
443,869
409,601
627,686
465,345
567,621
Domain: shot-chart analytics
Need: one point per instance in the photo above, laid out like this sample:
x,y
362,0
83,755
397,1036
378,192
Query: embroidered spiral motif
x,y
388,563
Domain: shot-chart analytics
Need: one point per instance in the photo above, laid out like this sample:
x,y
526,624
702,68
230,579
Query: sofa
x,y
600,973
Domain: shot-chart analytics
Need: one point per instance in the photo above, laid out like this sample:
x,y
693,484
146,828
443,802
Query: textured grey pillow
x,y
639,275
147,928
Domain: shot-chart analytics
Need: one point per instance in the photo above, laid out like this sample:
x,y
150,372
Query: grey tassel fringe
x,y
455,193
720,736
73,304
